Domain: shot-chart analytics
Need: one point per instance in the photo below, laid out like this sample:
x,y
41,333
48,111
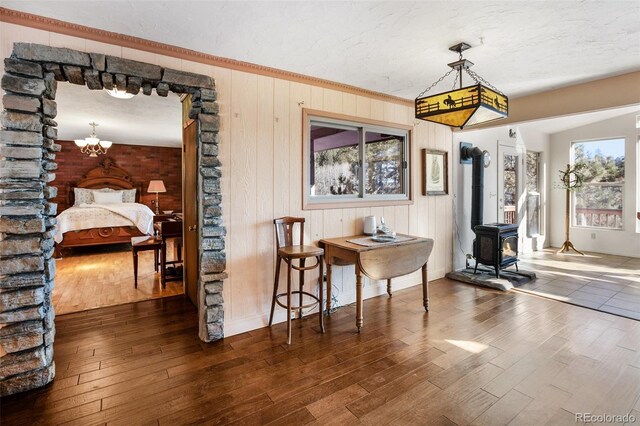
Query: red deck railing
x,y
509,214
602,218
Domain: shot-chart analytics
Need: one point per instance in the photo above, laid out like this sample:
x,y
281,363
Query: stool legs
x,y
155,259
301,282
275,289
163,264
329,289
135,268
289,306
289,302
320,292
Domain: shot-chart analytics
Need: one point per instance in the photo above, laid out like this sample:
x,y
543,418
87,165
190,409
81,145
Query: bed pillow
x,y
82,196
128,195
100,197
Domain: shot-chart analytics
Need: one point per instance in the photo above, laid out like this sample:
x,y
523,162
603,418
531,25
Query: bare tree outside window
x,y
351,161
336,171
383,155
532,170
510,174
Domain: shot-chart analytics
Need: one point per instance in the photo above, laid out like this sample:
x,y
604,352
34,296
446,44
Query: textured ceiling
x,y
141,120
394,47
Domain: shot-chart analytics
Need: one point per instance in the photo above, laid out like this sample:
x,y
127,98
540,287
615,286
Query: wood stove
x,y
496,245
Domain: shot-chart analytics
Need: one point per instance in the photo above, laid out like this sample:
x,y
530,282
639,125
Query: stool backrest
x,y
284,230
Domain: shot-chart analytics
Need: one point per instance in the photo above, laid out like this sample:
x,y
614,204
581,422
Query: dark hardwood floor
x,y
478,357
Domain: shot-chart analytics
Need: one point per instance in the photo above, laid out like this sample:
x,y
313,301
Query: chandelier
x,y
464,106
119,94
93,145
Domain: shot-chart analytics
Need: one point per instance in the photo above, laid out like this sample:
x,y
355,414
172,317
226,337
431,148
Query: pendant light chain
x,y
436,83
478,79
455,80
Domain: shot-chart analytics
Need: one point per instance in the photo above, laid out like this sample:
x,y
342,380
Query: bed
x,y
87,224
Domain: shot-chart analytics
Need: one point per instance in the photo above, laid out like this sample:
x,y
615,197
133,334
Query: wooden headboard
x,y
106,175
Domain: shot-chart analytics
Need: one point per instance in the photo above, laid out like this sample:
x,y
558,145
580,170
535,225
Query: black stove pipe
x,y
477,187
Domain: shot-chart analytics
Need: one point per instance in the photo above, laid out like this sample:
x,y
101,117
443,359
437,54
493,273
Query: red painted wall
x,y
143,163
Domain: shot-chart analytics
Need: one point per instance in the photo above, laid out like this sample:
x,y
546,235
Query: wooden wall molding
x,y
62,27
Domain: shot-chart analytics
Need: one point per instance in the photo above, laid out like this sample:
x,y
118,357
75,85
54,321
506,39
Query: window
x,y
533,194
600,200
510,188
533,172
354,163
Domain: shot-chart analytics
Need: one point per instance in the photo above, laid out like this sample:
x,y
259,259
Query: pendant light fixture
x,y
464,106
93,145
119,94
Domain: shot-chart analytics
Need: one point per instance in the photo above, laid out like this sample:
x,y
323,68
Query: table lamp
x,y
156,186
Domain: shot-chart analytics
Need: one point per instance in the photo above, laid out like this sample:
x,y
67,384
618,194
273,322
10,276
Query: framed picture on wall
x,y
434,172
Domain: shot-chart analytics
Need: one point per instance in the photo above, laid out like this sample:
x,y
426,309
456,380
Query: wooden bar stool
x,y
288,252
139,244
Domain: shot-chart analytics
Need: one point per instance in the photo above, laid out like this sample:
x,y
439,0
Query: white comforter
x,y
89,216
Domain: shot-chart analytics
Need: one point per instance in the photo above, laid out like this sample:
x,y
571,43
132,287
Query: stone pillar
x,y
212,231
27,154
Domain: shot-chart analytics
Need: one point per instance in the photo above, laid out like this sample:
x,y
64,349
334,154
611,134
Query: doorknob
x,y
193,228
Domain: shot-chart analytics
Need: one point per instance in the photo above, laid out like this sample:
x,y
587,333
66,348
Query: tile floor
x,y
598,281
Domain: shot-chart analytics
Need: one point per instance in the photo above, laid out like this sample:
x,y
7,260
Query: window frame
x,y
637,183
310,202
539,192
573,220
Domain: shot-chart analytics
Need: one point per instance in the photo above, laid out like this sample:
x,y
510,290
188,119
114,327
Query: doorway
x,y
107,256
30,80
189,192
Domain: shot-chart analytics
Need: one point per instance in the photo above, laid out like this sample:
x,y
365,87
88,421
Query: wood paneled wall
x,y
262,121
261,153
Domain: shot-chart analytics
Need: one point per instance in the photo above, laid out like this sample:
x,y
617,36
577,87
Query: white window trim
x,y
572,222
541,192
637,170
310,202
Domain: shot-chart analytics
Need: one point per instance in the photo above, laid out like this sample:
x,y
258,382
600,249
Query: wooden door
x,y
189,208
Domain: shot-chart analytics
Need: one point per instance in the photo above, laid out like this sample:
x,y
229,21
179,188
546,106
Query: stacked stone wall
x,y
27,216
212,254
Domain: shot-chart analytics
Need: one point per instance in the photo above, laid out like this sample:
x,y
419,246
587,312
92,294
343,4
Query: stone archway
x,y
27,218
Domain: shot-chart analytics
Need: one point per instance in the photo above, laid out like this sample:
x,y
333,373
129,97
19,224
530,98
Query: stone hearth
x,y
27,218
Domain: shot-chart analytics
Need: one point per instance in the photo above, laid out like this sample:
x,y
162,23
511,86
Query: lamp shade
x,y
156,186
463,107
